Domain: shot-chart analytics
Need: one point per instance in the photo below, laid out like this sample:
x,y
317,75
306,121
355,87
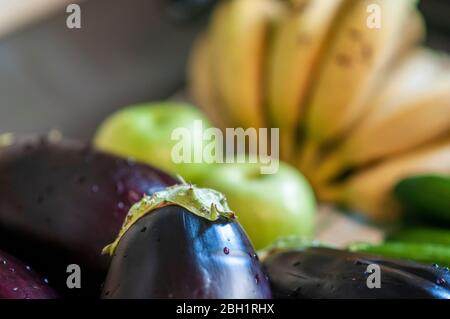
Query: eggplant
x,y
184,246
330,273
20,281
61,202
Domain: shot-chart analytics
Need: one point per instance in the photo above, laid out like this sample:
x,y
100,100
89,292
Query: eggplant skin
x,y
62,202
172,253
19,281
336,274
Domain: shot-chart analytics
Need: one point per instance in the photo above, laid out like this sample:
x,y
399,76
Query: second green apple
x,y
269,207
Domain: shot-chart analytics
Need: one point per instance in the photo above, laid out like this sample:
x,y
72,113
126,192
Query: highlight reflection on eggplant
x,y
61,202
19,281
330,273
173,252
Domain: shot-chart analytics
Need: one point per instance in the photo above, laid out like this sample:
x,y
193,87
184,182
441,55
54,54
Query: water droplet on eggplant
x,y
121,205
257,279
440,281
131,161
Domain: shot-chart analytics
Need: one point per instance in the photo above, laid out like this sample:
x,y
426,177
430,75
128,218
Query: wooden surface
x,y
338,228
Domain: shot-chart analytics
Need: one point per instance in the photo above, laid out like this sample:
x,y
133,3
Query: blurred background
x,y
125,52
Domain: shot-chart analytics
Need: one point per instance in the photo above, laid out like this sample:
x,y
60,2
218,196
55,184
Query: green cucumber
x,y
426,196
422,235
422,253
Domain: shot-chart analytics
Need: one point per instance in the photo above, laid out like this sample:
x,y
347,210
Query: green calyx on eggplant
x,y
184,242
20,281
330,273
61,202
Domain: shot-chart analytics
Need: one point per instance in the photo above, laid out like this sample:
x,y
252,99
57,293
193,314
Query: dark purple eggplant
x,y
19,281
330,273
61,202
173,252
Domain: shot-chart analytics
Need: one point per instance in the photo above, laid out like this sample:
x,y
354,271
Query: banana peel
x,y
297,45
412,109
351,73
201,87
369,191
356,61
240,30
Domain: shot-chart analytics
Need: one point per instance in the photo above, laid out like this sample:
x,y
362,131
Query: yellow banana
x,y
201,88
239,30
414,108
369,191
360,49
413,33
295,50
356,60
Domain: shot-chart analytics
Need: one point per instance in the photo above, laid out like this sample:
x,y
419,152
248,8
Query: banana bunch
x,y
359,101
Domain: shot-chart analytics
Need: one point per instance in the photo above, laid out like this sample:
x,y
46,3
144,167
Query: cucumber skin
x,y
426,196
419,252
422,235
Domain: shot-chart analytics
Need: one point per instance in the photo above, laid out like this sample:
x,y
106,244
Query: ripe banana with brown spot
x,y
413,108
356,60
295,51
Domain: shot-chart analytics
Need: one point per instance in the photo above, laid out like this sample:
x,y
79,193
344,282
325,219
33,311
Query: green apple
x,y
144,132
269,207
